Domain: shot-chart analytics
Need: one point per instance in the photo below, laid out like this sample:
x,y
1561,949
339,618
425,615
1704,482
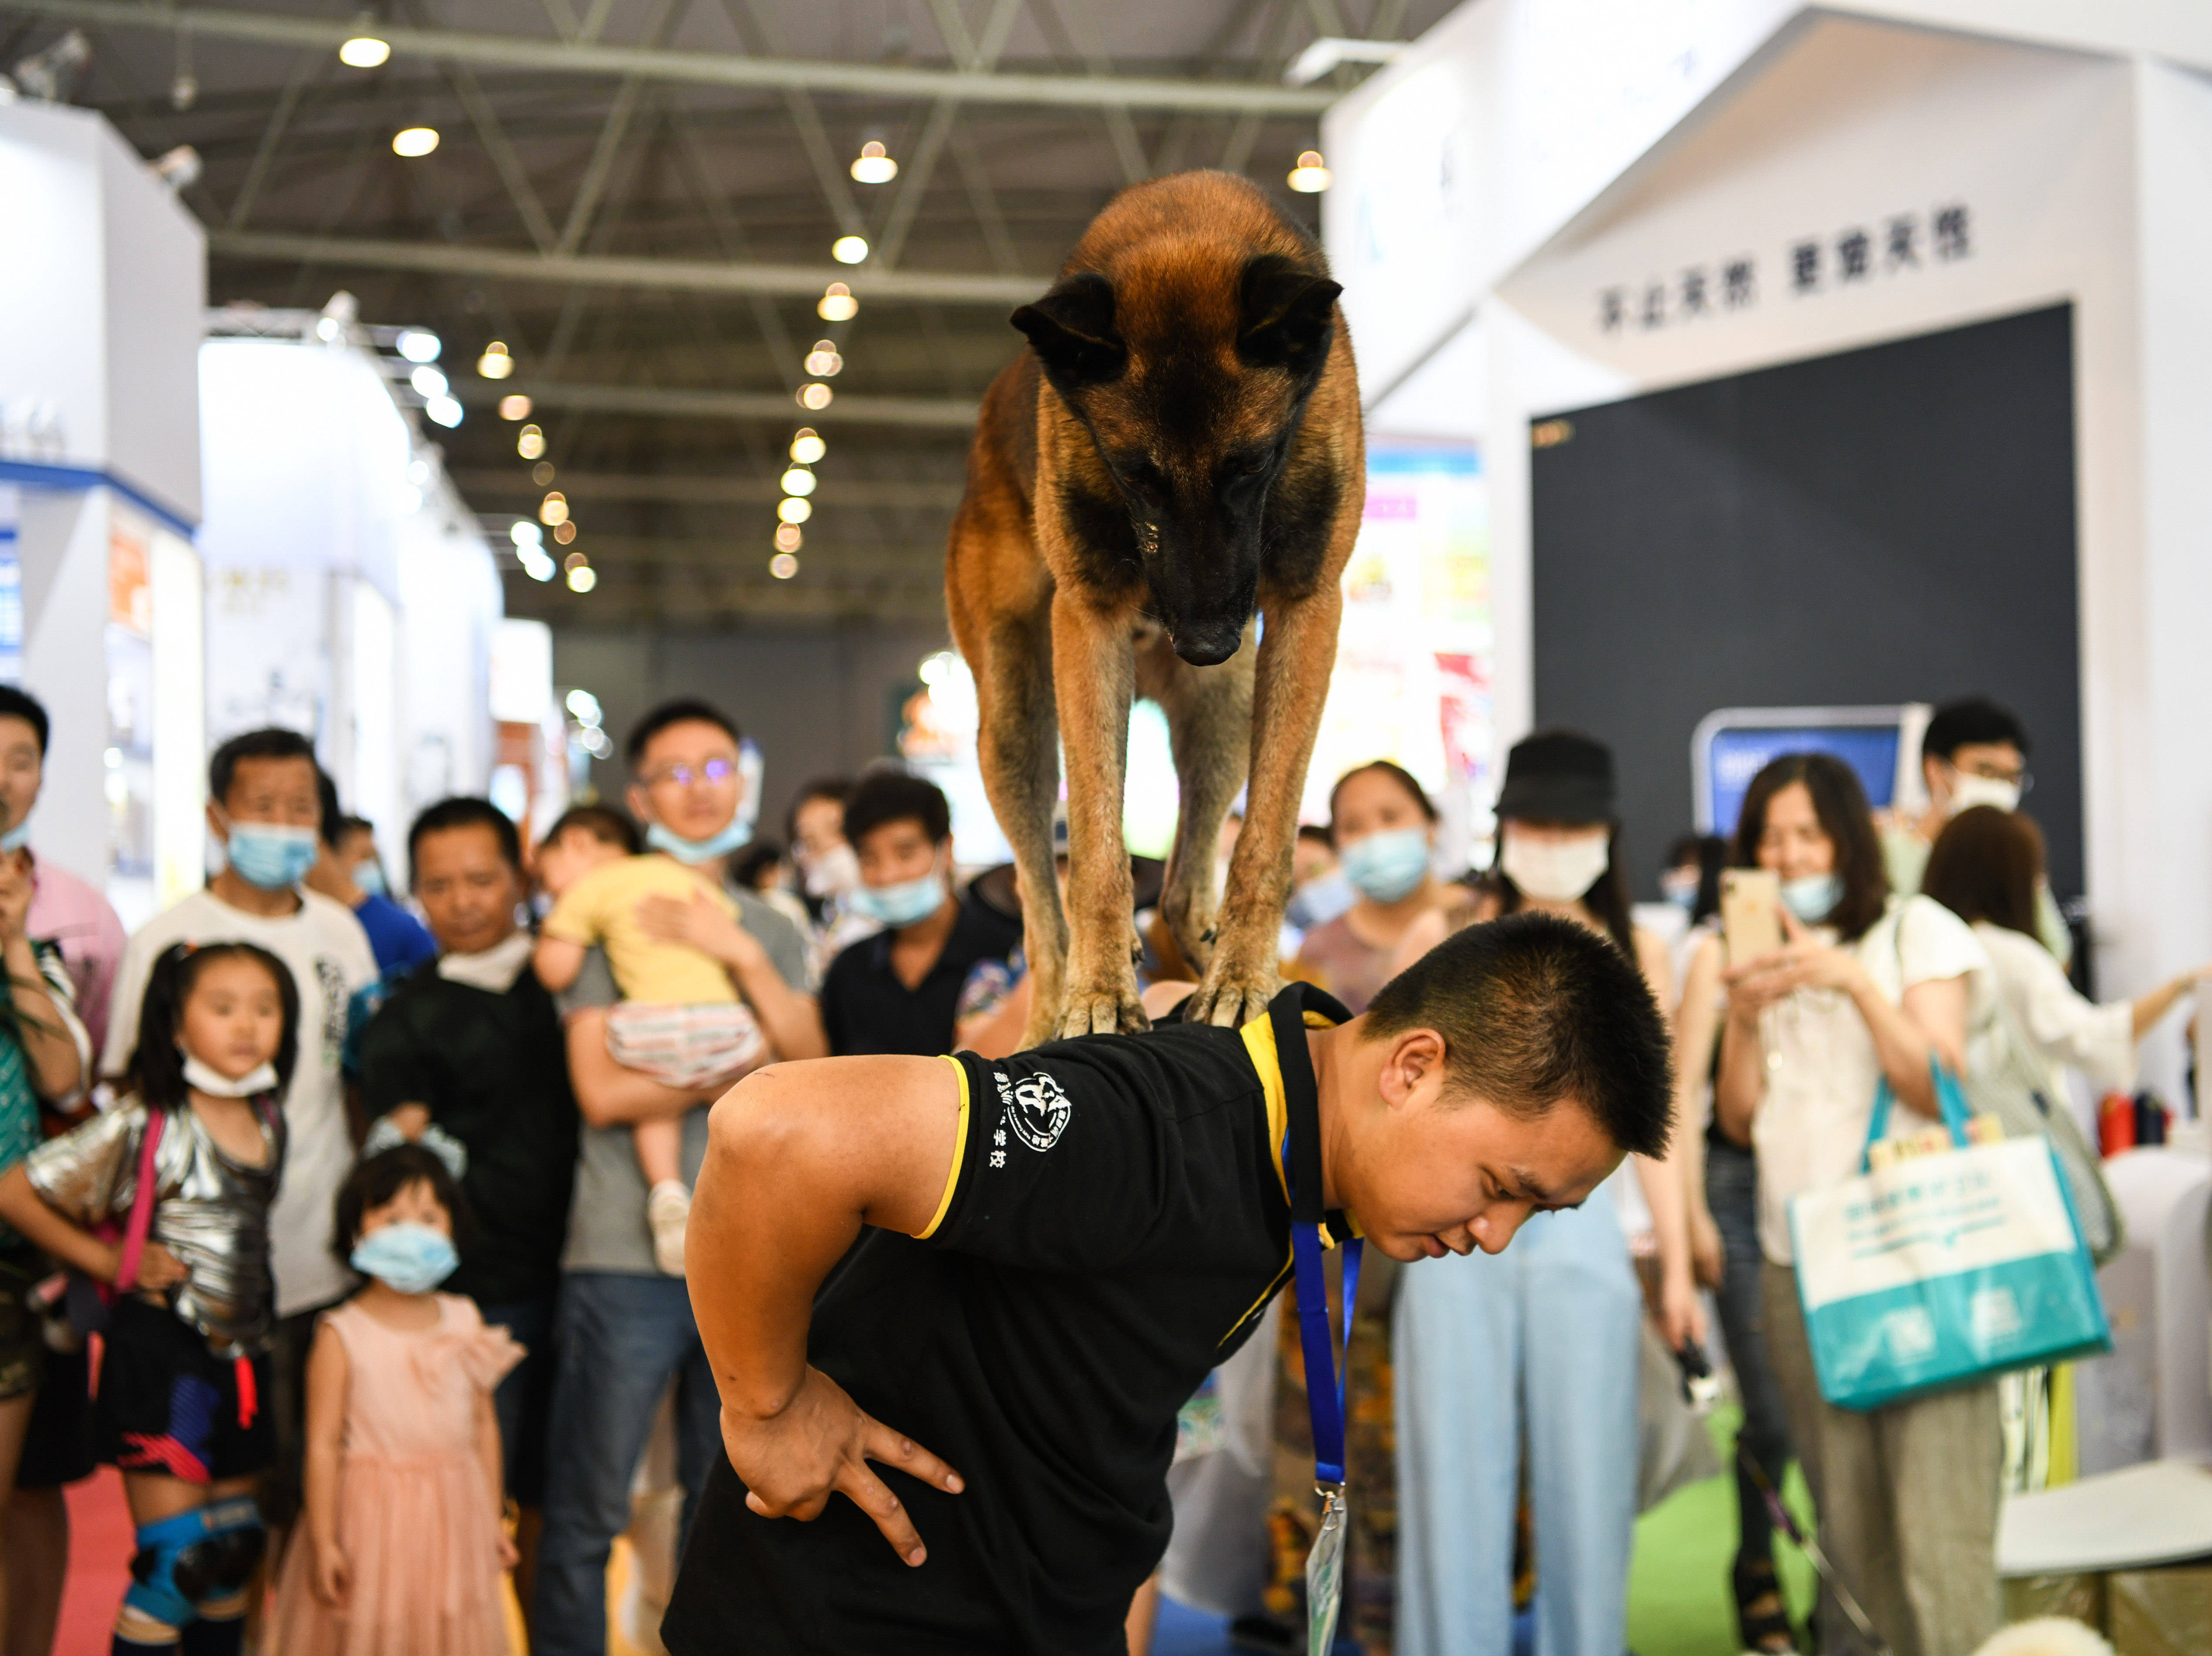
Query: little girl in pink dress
x,y
403,1549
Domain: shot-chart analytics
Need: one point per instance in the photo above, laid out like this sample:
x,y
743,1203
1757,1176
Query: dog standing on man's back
x,y
1179,449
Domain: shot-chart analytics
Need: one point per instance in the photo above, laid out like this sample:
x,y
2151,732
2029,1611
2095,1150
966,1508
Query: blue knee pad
x,y
210,1552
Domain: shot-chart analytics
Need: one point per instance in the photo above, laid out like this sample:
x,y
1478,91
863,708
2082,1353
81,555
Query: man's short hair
x,y
334,817
273,743
1314,834
1972,722
466,810
894,795
602,822
19,704
685,709
1535,1009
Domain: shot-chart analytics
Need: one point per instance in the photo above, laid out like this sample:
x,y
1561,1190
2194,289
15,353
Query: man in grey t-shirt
x,y
626,1331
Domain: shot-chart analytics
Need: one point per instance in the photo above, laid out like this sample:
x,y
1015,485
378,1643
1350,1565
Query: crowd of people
x,y
348,1222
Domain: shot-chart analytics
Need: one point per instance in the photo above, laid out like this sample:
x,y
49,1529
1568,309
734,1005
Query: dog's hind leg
x,y
1209,714
1094,671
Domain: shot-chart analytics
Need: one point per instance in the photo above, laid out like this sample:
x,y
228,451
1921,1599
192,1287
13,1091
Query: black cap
x,y
1558,775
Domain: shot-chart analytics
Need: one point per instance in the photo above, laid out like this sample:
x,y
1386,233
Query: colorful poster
x,y
1412,680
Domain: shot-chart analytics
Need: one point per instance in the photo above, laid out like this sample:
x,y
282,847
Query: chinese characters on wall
x,y
1809,265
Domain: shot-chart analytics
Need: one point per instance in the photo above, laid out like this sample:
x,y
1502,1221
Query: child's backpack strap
x,y
142,1202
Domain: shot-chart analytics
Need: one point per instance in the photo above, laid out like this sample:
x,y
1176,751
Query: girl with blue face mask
x,y
403,1546
1383,827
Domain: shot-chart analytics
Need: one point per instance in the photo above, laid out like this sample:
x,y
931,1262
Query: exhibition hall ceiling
x,y
639,199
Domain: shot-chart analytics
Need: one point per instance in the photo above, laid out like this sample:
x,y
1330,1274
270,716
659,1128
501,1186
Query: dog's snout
x,y
1205,647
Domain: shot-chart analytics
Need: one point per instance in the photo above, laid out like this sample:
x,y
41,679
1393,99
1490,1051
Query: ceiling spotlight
x,y
788,537
845,249
428,381
583,578
553,509
795,510
875,165
446,411
530,442
515,407
815,395
783,566
419,345
414,141
798,481
837,304
823,359
542,474
526,533
565,533
365,50
574,561
584,705
495,363
1310,177
536,563
328,328
806,448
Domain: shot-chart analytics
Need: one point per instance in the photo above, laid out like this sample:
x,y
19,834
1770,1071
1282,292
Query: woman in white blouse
x,y
1986,867
1866,989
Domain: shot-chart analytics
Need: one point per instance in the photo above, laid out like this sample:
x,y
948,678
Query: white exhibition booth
x,y
1543,207
203,534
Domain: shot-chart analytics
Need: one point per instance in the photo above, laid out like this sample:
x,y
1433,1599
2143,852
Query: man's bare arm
x,y
800,1157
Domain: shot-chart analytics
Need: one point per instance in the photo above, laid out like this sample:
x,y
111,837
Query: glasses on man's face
x,y
1996,771
714,771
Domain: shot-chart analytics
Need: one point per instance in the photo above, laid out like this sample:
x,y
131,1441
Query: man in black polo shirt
x,y
1053,1250
899,991
472,1048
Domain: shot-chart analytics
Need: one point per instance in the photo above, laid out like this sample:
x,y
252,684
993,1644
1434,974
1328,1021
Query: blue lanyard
x,y
1301,1156
1325,1382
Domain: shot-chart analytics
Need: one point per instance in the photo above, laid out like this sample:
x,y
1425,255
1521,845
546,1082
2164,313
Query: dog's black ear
x,y
1072,331
1288,316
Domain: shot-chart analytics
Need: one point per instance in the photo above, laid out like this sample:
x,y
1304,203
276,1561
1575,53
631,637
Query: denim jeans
x,y
1732,1193
622,1339
1539,1344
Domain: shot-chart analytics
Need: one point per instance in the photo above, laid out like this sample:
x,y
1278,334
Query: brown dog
x,y
1179,449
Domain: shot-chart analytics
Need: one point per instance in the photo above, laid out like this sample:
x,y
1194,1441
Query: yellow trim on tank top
x,y
959,1154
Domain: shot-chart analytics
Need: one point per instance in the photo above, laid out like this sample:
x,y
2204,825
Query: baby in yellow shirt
x,y
680,1018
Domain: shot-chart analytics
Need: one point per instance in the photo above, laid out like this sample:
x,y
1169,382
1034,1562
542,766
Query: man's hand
x,y
820,1444
702,923
158,1269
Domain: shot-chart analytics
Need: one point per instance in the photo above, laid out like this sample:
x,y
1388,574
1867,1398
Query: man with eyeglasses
x,y
1973,753
626,1329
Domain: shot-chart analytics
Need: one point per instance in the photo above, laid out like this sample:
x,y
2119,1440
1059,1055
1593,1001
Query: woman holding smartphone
x,y
1865,988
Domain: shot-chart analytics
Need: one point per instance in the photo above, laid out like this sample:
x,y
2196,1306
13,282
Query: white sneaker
x,y
668,1211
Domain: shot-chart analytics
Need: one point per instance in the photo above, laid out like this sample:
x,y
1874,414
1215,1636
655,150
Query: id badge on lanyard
x,y
1325,1402
1325,1381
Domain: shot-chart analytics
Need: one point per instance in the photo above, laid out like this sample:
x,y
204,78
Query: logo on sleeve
x,y
1035,1108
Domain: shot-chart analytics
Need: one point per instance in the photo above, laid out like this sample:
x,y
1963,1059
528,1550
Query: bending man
x,y
1053,1250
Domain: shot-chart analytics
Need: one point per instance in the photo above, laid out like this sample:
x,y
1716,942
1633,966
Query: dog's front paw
x,y
1107,1007
1236,987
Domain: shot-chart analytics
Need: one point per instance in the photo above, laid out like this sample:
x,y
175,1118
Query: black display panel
x,y
1894,524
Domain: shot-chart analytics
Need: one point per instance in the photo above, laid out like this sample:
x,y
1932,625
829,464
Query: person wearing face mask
x,y
1559,1318
347,870
1974,752
264,811
900,990
1866,987
626,1333
1383,829
404,1547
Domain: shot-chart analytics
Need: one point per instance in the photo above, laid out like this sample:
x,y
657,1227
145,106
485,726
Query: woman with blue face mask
x,y
1867,987
1384,830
